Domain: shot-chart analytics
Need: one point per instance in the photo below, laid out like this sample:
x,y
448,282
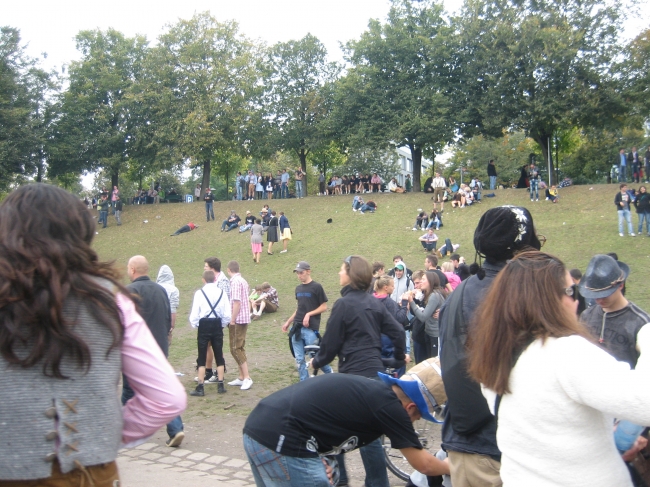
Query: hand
x,y
308,364
407,359
328,470
285,327
436,314
640,443
305,321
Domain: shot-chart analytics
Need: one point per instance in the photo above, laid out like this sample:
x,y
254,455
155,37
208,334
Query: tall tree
x,y
537,66
23,103
637,75
93,129
397,90
203,78
298,97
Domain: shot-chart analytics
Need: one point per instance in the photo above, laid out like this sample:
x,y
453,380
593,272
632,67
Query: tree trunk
x,y
543,141
114,179
205,182
416,156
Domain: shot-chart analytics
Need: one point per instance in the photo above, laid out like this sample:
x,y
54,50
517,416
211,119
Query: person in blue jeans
x,y
284,185
642,205
622,167
240,182
289,434
103,210
622,202
305,321
209,201
492,174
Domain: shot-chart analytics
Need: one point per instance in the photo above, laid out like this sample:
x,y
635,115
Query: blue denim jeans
x,y
103,218
307,336
374,463
433,223
646,217
284,190
622,174
534,187
209,212
365,208
299,193
625,215
493,182
239,192
173,427
270,469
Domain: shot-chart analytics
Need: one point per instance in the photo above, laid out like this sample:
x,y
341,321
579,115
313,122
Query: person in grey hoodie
x,y
166,280
402,282
434,297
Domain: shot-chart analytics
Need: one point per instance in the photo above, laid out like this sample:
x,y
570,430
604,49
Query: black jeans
x,y
210,332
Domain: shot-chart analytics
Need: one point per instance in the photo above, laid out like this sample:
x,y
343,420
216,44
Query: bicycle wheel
x,y
429,434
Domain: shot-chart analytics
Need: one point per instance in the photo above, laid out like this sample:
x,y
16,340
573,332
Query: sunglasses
x,y
572,292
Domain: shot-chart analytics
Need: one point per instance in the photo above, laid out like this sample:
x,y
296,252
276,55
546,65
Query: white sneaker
x,y
212,380
282,251
246,384
236,382
415,229
621,235
632,234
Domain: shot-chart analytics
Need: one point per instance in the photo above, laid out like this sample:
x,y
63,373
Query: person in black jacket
x,y
153,305
642,205
353,333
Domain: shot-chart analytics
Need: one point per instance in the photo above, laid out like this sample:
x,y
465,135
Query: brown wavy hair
x,y
524,304
45,258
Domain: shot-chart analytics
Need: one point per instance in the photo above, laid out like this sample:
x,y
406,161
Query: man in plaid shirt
x,y
240,318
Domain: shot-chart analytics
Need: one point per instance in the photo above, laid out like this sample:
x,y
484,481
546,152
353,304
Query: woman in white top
x,y
559,391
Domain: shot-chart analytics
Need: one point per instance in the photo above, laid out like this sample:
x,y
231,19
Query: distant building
x,y
406,165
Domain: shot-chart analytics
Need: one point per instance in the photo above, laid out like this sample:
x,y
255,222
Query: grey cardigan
x,y
425,314
73,420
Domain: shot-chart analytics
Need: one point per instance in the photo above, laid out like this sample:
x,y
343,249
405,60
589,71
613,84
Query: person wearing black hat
x,y
469,430
613,320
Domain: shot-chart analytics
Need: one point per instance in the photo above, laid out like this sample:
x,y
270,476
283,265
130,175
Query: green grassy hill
x,y
582,224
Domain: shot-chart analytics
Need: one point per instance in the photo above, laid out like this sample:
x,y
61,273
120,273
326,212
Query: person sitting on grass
x,y
375,183
267,300
248,222
393,187
429,240
448,248
552,194
435,219
357,203
231,222
458,200
370,206
185,228
255,293
421,221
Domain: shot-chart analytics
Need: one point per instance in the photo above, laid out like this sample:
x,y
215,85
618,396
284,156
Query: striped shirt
x,y
239,291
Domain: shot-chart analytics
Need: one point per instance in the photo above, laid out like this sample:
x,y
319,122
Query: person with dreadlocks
x,y
469,430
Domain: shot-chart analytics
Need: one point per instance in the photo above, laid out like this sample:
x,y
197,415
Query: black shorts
x,y
210,332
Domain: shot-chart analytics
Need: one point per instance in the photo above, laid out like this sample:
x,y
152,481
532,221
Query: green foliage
x,y
23,103
93,128
368,161
298,96
538,66
397,90
510,152
637,68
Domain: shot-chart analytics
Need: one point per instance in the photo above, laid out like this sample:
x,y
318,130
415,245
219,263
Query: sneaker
x,y
284,251
362,212
236,382
537,199
212,380
246,384
632,234
621,235
221,388
176,440
415,229
198,391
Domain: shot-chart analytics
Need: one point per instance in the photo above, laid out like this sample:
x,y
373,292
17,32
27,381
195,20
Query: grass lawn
x,y
582,224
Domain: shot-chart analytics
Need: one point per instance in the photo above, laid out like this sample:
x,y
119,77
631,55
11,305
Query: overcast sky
x,y
50,25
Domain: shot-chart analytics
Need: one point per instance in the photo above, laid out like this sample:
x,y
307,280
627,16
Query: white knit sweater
x,y
556,426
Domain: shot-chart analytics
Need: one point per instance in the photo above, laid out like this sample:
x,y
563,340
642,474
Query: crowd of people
x,y
539,369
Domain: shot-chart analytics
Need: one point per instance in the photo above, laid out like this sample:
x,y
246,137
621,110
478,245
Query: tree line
x,y
204,96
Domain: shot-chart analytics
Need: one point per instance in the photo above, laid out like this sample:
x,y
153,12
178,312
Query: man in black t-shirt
x,y
305,321
288,431
209,199
431,264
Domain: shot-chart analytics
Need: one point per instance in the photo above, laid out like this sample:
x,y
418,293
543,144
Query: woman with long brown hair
x,y
68,329
553,390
